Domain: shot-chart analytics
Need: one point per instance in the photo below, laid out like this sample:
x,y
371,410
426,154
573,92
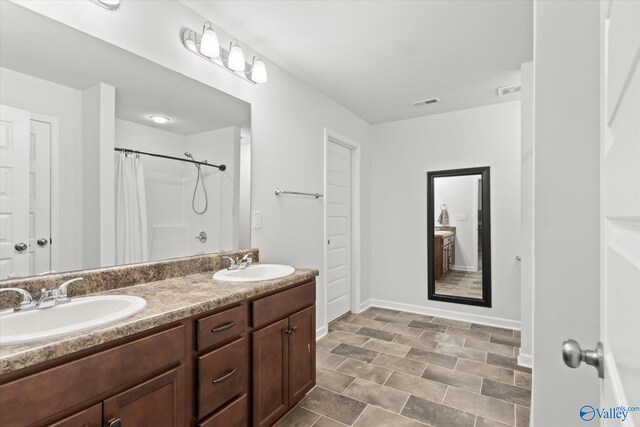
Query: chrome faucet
x,y
245,261
53,297
233,263
25,301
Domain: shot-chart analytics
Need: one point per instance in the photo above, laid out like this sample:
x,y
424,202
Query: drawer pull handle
x,y
224,377
224,327
117,422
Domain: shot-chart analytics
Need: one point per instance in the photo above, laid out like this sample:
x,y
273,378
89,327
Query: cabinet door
x,y
270,373
158,402
90,417
302,351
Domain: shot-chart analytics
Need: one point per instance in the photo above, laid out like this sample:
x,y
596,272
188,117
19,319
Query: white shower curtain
x,y
131,210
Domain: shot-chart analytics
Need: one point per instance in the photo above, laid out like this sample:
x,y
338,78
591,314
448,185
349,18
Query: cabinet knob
x,y
291,331
115,422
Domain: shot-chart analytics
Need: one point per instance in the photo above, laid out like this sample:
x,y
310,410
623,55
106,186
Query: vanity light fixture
x,y
161,120
235,61
108,4
207,46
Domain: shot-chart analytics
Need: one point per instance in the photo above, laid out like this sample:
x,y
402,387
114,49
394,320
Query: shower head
x,y
188,154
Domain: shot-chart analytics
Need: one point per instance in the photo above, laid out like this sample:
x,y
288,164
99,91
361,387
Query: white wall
x,y
61,102
403,153
288,121
526,216
567,206
460,194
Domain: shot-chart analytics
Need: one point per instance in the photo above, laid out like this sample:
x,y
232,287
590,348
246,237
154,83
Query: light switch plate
x,y
257,220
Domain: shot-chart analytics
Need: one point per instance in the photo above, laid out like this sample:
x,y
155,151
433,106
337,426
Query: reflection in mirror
x,y
459,239
108,158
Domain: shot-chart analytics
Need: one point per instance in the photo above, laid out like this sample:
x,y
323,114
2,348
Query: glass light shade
x,y
259,71
209,45
159,119
236,57
189,41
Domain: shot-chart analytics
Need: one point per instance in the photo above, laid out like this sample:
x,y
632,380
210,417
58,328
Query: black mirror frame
x,y
486,237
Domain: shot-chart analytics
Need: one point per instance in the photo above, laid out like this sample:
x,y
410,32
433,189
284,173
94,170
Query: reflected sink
x,y
255,273
65,319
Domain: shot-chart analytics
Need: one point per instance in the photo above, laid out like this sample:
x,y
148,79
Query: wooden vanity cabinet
x,y
445,252
247,364
283,353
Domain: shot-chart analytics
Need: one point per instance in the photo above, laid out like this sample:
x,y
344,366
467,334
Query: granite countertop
x,y
444,233
168,301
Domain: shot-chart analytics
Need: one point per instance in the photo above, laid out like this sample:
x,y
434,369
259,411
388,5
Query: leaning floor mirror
x,y
459,236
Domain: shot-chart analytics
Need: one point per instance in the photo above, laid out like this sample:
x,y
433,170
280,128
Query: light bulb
x,y
159,119
236,57
209,45
258,71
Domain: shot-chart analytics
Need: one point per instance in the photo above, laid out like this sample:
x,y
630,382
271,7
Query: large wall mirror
x,y
459,236
107,158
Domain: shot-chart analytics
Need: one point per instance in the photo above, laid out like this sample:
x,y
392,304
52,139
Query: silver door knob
x,y
42,242
21,246
573,356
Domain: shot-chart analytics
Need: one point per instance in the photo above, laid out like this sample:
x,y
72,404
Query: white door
x,y
338,200
39,198
620,198
14,190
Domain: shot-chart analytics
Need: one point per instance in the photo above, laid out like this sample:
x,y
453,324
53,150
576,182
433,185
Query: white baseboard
x,y
525,360
321,332
365,305
449,314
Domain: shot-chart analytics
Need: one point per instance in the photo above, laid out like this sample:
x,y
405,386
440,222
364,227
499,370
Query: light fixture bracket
x,y
110,5
189,34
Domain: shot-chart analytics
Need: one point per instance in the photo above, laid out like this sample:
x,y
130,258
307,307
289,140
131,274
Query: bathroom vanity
x,y
445,251
243,355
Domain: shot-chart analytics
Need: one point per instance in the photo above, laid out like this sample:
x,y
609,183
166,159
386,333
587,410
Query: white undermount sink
x,y
255,273
77,315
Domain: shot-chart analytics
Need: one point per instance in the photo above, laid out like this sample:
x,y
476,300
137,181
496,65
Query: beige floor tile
x,y
522,379
327,422
428,326
492,330
333,405
436,414
392,319
366,371
332,380
299,417
399,364
486,371
377,417
354,352
455,378
414,316
431,357
393,348
378,395
417,386
328,360
486,407
450,322
501,349
343,326
484,422
522,416
469,333
347,338
457,351
417,343
509,393
376,333
326,344
443,337
403,330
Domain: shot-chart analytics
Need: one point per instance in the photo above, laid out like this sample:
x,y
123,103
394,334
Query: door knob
x,y
42,242
573,356
21,246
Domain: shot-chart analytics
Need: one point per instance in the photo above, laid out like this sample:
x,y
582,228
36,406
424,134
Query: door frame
x,y
355,147
55,187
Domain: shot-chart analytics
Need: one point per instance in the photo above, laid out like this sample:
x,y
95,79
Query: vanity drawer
x,y
234,414
221,327
222,375
277,306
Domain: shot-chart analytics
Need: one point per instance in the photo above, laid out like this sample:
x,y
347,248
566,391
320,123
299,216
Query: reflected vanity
x,y
459,236
128,161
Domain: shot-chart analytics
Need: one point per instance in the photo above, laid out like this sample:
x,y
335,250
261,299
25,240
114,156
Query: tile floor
x,y
391,368
460,284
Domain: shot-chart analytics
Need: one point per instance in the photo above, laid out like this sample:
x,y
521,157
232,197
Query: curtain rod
x,y
127,150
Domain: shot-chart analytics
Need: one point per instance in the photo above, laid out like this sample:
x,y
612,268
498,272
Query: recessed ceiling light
x,y
159,119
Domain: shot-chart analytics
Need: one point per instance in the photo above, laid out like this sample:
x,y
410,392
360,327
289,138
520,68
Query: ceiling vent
x,y
426,102
509,90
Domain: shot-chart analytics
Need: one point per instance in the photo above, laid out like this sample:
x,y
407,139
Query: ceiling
x,y
377,57
35,45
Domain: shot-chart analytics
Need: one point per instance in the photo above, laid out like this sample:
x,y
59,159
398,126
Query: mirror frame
x,y
486,237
